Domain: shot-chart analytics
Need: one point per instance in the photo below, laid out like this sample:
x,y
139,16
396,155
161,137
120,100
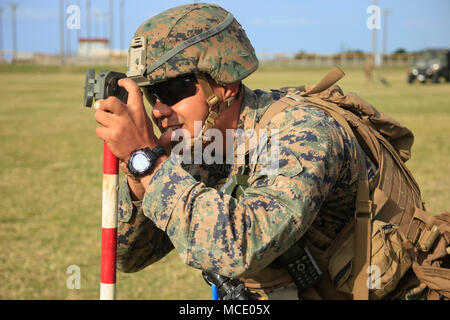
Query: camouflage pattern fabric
x,y
314,189
227,57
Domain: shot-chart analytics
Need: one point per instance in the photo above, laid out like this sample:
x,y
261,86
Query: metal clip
x,y
428,239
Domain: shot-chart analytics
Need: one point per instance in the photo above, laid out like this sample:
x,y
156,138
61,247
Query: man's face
x,y
180,115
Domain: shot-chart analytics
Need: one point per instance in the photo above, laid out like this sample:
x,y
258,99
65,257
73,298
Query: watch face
x,y
140,162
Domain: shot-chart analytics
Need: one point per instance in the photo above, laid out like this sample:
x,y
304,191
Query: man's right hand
x,y
125,127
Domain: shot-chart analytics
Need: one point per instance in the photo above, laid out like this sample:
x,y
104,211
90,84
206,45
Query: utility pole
x,y
111,26
374,40
386,12
104,20
78,30
122,8
97,21
68,48
14,31
88,19
88,26
61,30
1,36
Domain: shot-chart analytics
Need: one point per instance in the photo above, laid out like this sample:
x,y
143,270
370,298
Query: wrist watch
x,y
142,161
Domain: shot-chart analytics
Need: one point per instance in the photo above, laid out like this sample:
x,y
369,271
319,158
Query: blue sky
x,y
273,26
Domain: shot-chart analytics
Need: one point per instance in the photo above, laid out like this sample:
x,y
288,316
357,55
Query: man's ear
x,y
231,90
224,91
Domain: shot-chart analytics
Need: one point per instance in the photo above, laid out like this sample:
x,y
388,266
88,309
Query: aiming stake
x,y
109,225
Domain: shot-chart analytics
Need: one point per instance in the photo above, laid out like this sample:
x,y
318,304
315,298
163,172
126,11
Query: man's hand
x,y
137,190
125,127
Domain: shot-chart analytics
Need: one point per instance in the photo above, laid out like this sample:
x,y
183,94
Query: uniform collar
x,y
254,104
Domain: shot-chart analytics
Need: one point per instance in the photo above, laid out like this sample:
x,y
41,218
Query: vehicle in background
x,y
431,64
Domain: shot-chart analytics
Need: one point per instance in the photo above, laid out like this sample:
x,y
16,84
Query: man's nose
x,y
161,110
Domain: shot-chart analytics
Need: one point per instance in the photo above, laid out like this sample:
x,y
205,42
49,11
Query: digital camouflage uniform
x,y
314,189
183,207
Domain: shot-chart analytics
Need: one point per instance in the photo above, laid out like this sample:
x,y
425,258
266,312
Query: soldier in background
x,y
368,68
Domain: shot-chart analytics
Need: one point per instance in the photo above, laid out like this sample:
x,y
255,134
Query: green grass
x,y
51,173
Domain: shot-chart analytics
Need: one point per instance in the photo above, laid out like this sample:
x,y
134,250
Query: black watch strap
x,y
159,151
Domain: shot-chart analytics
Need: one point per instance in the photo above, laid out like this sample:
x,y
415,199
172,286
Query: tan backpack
x,y
392,229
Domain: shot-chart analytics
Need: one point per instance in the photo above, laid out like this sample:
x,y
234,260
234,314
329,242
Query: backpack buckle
x,y
363,209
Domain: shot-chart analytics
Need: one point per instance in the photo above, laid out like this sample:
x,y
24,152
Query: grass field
x,y
51,174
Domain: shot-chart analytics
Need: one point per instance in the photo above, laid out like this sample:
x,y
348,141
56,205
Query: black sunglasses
x,y
172,91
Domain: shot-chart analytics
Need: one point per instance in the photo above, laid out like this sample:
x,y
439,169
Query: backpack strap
x,y
274,109
333,76
363,213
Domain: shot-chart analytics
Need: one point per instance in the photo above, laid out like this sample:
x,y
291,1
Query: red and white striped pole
x,y
109,225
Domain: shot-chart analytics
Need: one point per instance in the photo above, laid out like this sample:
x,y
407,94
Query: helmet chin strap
x,y
216,106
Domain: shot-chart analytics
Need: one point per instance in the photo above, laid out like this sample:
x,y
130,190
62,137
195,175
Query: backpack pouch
x,y
389,261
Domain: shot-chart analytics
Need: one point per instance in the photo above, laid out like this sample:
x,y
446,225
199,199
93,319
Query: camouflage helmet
x,y
193,38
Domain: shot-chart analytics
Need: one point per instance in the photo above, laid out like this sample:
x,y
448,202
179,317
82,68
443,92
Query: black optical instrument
x,y
104,86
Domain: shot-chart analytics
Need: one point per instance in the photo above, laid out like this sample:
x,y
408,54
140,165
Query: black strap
x,y
159,151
